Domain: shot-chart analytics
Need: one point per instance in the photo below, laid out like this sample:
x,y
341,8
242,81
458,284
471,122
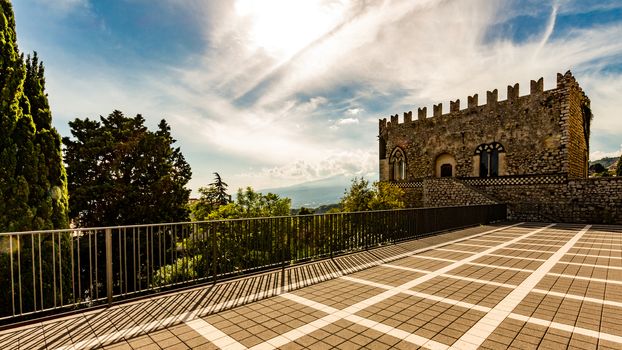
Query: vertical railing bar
x,y
60,269
73,279
140,269
40,273
174,251
120,261
54,268
34,277
134,259
125,260
108,242
160,264
12,277
78,234
96,268
19,272
214,232
148,250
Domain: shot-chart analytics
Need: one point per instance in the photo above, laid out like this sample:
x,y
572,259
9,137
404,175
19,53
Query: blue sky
x,y
276,92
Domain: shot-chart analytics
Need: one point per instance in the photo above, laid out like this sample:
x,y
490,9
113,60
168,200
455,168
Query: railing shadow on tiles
x,y
44,272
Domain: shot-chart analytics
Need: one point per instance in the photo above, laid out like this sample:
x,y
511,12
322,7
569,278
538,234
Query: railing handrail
x,y
102,228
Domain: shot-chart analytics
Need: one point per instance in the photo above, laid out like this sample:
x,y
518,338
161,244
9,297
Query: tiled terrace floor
x,y
517,286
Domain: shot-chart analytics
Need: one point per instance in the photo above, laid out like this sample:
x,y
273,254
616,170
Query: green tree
x,y
212,197
305,211
48,195
121,173
362,197
251,204
619,168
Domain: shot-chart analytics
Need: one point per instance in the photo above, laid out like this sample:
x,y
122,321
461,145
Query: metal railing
x,y
43,271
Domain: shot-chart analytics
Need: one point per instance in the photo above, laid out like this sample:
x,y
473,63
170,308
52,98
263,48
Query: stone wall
x,y
442,192
593,200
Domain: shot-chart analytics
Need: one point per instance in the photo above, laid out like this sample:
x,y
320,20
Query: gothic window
x,y
489,159
397,165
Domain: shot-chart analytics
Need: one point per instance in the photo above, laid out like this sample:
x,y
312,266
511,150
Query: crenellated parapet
x,y
564,82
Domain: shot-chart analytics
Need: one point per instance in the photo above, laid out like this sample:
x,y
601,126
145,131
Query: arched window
x,y
489,159
397,165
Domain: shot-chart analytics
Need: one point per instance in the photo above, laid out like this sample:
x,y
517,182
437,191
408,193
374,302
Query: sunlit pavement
x,y
517,286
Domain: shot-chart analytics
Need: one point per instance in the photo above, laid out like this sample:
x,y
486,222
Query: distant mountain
x,y
312,194
606,162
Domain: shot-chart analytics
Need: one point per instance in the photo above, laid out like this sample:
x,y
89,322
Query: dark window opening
x,y
382,148
483,164
494,163
446,170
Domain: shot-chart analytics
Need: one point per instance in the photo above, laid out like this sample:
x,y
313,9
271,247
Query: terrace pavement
x,y
520,286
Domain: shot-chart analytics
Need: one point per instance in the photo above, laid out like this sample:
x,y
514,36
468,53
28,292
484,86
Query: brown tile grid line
x,y
350,313
146,315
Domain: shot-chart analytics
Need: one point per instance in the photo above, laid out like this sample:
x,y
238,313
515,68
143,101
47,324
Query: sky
x,y
271,93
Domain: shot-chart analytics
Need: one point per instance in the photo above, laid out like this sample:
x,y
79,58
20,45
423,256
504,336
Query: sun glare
x,y
284,27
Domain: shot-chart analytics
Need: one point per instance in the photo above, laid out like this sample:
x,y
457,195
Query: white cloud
x,y
65,6
596,155
347,121
334,162
354,111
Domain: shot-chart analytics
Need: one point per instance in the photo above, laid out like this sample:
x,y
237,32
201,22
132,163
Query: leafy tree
x,y
619,168
305,211
362,197
358,197
250,204
121,173
597,168
212,197
386,196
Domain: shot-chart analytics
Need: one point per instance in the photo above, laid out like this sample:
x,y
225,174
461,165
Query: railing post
x,y
108,235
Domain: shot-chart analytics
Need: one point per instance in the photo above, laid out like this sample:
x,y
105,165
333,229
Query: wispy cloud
x,y
65,6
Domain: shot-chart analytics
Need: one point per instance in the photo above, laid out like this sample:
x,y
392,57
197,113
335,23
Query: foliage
x,y
211,199
251,204
237,243
183,269
619,167
121,173
597,168
305,211
386,196
362,197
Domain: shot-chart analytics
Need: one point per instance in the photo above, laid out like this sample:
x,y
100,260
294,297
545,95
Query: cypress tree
x,y
17,130
48,195
33,186
33,182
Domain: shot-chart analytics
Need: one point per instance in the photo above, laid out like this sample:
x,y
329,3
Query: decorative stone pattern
x,y
545,132
516,180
